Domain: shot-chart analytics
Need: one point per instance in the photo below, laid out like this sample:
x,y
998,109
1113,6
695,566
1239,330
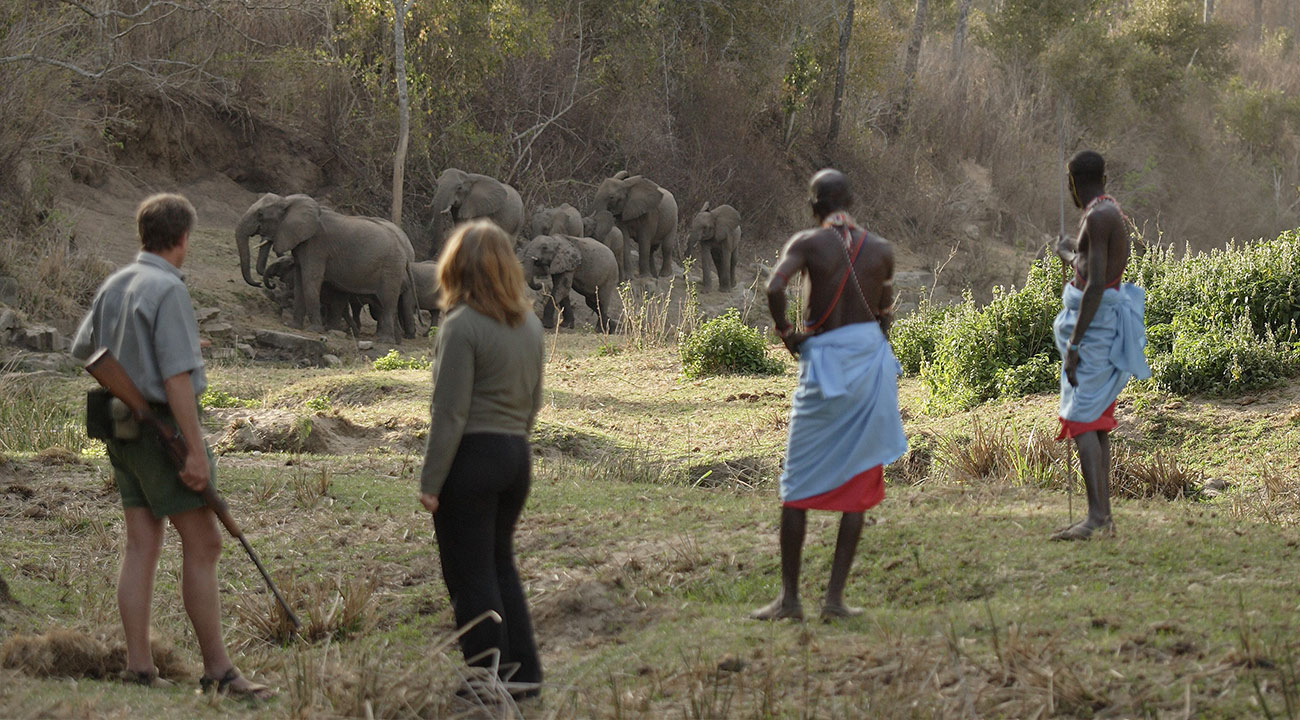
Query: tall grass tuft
x,y
31,421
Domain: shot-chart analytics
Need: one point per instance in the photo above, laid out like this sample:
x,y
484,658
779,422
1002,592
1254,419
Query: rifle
x,y
109,372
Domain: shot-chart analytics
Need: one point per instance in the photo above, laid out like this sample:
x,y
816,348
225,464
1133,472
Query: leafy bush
x,y
1220,322
976,349
318,404
726,345
1207,355
394,361
215,398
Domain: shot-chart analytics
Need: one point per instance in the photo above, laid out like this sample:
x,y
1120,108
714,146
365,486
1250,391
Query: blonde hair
x,y
478,268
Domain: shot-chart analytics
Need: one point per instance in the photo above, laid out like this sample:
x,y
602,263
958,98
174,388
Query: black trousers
x,y
475,524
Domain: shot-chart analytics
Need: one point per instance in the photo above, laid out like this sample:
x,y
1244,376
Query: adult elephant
x,y
462,196
574,263
562,220
716,233
602,228
647,214
358,255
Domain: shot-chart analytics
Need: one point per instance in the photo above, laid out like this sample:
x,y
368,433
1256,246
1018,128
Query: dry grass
x,y
1159,475
69,653
328,608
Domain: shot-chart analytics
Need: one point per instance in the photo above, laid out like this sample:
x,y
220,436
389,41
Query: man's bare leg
x,y
144,536
846,547
200,549
794,523
1094,462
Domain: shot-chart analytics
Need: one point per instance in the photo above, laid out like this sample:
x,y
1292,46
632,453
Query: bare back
x,y
1102,246
834,300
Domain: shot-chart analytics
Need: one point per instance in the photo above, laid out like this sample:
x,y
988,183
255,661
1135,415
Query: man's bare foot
x,y
1083,530
779,610
831,611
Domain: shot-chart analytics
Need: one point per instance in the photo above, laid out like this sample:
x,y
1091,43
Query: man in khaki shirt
x,y
144,315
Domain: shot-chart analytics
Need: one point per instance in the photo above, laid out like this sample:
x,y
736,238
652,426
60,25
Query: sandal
x,y
224,683
149,678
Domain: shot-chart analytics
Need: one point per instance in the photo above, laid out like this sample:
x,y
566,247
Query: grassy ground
x,y
650,533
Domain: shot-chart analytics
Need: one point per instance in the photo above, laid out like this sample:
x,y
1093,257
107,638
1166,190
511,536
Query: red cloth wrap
x,y
862,492
1071,429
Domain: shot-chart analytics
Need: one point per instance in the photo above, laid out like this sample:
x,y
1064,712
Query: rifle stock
x,y
109,373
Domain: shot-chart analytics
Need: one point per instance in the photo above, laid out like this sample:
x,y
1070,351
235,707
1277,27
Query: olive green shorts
x,y
147,478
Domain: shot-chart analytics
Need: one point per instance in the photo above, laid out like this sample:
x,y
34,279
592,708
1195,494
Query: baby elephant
x,y
716,233
574,263
602,227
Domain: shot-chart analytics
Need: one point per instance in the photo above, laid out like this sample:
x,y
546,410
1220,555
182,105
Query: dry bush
x,y
56,278
72,654
1159,475
327,608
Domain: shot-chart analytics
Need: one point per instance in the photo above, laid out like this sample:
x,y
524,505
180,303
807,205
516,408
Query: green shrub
x,y
726,345
915,337
978,350
394,361
1207,355
215,398
318,404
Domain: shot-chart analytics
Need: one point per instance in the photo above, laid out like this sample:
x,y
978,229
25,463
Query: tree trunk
x,y
1257,26
911,61
841,70
959,34
400,7
1208,15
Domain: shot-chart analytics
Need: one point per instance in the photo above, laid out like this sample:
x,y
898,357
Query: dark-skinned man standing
x,y
1099,333
844,420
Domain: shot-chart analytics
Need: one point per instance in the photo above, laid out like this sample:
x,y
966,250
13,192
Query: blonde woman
x,y
487,387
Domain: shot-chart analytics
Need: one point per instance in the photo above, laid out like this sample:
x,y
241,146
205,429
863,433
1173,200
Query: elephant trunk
x,y
243,231
530,276
443,199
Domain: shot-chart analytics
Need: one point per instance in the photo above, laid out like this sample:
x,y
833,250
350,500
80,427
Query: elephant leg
x,y
730,259
548,314
567,320
720,265
300,300
389,327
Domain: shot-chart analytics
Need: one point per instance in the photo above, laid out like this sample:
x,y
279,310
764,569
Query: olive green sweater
x,y
487,378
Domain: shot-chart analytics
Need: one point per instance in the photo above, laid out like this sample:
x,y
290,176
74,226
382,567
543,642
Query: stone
x,y
365,344
40,338
9,320
296,344
10,291
219,330
247,350
207,314
331,360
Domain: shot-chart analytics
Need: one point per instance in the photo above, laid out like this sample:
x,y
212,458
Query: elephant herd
x,y
329,265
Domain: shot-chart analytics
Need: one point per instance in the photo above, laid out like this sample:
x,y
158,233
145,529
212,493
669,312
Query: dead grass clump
x,y
56,455
1156,476
310,488
914,467
327,608
68,653
56,278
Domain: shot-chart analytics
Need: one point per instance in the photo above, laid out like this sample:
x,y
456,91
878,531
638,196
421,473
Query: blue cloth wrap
x,y
844,419
1110,352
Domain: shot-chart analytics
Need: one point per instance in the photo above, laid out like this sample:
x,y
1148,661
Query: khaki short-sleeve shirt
x,y
144,315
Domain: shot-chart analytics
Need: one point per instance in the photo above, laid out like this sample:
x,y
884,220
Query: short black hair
x,y
1088,166
829,190
163,220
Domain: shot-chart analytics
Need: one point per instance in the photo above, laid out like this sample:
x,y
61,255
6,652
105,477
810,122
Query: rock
x,y
219,330
331,360
1214,488
9,321
733,664
207,314
246,350
40,338
365,344
10,292
296,344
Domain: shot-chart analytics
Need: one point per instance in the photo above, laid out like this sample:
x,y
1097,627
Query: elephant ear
x,y
301,221
621,174
706,206
484,198
566,259
643,197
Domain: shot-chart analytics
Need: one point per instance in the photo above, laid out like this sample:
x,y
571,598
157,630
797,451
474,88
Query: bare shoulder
x,y
1105,216
805,238
880,249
